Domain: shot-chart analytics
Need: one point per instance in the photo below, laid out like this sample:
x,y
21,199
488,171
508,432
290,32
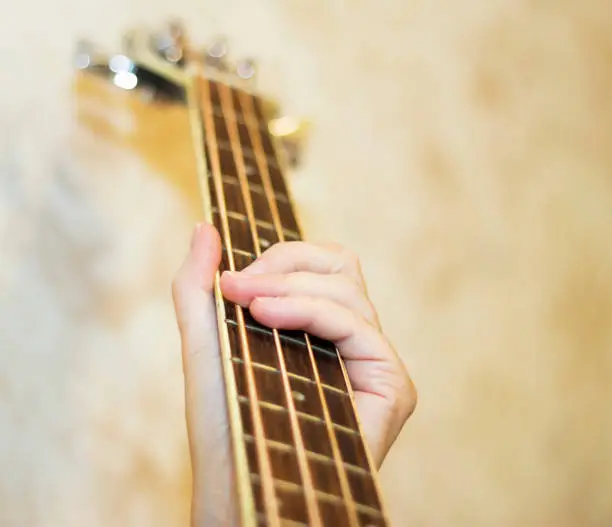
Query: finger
x,y
243,288
289,257
195,313
192,290
384,393
356,339
205,409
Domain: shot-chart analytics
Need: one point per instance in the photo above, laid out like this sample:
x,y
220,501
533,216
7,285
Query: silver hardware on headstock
x,y
158,60
216,54
83,54
157,64
246,69
170,42
151,61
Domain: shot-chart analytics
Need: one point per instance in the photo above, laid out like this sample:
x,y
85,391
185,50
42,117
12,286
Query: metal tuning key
x,y
216,55
153,62
246,69
170,42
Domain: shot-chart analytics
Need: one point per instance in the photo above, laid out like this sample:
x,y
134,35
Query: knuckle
x,y
291,244
351,259
333,246
287,283
176,286
274,248
295,281
270,250
404,393
356,292
281,249
412,398
370,313
408,397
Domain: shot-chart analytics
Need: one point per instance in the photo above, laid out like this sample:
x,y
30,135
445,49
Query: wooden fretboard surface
x,y
305,453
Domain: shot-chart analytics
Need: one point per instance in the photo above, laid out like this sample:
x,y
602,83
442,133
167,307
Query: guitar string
x,y
283,163
243,485
227,104
247,103
269,494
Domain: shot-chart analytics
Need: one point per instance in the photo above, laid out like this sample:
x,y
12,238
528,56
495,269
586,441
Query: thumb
x,y
193,284
205,407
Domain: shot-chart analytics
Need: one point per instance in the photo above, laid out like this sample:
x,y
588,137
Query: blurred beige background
x,y
464,149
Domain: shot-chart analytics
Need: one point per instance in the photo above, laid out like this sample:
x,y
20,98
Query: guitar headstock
x,y
157,65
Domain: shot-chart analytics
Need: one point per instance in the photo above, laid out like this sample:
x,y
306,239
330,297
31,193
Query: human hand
x,y
295,285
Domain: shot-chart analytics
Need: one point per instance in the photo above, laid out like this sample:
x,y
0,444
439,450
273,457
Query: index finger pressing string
x,y
375,366
290,257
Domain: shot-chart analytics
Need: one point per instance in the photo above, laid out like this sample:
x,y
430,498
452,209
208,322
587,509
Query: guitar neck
x,y
299,452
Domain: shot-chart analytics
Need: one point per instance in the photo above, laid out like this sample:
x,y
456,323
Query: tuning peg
x,y
216,54
246,69
219,49
83,54
176,28
169,42
292,133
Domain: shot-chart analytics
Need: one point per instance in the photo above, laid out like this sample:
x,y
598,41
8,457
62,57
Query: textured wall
x,y
463,148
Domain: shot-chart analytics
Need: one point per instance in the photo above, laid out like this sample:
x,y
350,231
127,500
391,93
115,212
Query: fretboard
x,y
299,450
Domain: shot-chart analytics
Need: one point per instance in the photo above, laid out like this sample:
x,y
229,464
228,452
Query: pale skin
x,y
293,285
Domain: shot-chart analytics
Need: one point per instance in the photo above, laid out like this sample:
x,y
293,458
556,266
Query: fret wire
x,y
291,375
232,180
281,162
218,111
246,101
270,500
323,496
304,415
288,233
232,128
287,338
286,522
355,469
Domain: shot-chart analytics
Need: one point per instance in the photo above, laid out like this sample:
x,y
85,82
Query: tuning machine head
x,y
216,55
153,62
246,69
170,42
88,57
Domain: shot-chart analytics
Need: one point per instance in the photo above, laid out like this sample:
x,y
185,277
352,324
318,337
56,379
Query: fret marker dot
x,y
264,243
299,396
